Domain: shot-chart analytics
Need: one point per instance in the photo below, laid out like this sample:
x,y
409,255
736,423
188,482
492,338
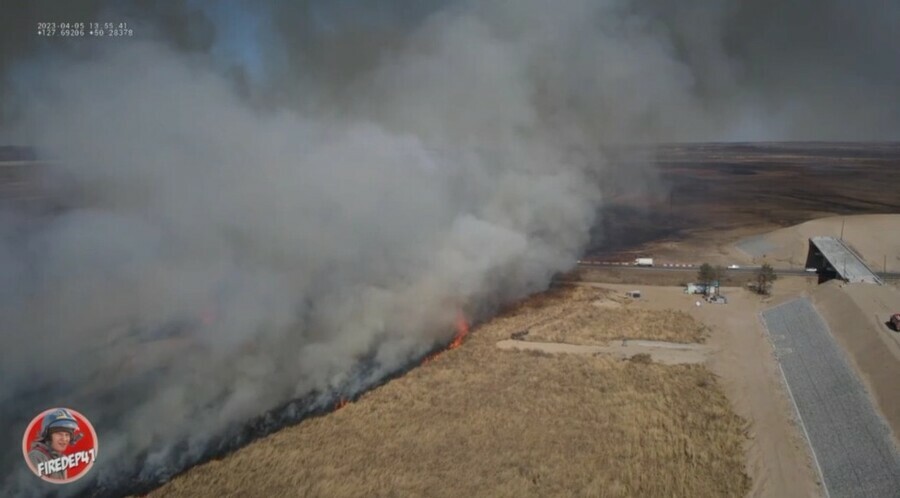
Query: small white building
x,y
695,289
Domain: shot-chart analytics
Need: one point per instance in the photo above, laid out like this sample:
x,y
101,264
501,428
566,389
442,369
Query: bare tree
x,y
707,275
719,275
764,278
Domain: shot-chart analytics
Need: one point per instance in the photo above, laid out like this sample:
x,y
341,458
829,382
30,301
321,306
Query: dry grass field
x,y
594,316
480,421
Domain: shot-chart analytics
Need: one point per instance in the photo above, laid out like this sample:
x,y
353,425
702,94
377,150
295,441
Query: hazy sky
x,y
692,70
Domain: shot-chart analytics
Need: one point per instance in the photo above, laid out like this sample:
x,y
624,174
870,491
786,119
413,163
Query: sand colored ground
x,y
481,421
856,314
876,237
716,248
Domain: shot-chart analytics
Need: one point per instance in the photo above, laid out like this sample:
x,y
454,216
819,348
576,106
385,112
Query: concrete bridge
x,y
833,259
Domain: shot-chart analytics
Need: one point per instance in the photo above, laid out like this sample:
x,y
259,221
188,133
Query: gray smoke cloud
x,y
387,166
640,70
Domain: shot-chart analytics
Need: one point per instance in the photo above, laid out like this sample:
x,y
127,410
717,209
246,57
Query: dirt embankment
x,y
874,237
856,315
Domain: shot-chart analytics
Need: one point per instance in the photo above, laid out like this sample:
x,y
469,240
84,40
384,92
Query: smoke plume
x,y
263,198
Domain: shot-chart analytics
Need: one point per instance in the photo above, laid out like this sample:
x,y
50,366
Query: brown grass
x,y
480,421
638,277
593,316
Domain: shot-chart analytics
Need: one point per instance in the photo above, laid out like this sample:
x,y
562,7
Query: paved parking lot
x,y
852,443
756,246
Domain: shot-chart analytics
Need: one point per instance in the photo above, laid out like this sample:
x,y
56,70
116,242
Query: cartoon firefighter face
x,y
59,430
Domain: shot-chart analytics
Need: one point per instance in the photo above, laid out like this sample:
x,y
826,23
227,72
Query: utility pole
x,y
842,229
885,264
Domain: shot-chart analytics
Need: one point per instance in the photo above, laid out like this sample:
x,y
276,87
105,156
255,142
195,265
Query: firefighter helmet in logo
x,y
60,445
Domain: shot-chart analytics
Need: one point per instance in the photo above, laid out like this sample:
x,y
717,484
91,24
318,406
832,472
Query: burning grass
x,y
479,421
593,316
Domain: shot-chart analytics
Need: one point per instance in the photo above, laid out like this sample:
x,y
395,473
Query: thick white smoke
x,y
315,242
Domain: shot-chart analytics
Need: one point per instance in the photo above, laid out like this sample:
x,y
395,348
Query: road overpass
x,y
832,258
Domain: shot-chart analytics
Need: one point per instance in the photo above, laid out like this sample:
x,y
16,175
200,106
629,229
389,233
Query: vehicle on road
x,y
895,321
643,262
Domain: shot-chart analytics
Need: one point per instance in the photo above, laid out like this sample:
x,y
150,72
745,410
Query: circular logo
x,y
60,445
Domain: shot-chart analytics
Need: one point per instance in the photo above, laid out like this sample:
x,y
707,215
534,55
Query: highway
x,y
694,267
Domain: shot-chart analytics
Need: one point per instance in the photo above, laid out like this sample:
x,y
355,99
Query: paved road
x,y
694,268
691,267
851,442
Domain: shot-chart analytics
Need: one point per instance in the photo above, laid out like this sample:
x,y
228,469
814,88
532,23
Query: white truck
x,y
643,262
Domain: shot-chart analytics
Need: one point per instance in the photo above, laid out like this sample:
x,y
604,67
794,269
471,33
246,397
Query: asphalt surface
x,y
695,267
851,442
691,267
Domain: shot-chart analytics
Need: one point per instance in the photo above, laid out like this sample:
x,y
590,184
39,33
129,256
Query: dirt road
x,y
668,353
856,315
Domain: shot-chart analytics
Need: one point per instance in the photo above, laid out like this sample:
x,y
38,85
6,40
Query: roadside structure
x,y
833,259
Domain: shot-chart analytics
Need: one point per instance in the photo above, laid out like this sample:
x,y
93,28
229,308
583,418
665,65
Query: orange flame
x,y
340,404
462,330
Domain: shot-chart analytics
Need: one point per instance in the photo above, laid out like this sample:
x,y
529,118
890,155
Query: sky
x,y
241,32
700,71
